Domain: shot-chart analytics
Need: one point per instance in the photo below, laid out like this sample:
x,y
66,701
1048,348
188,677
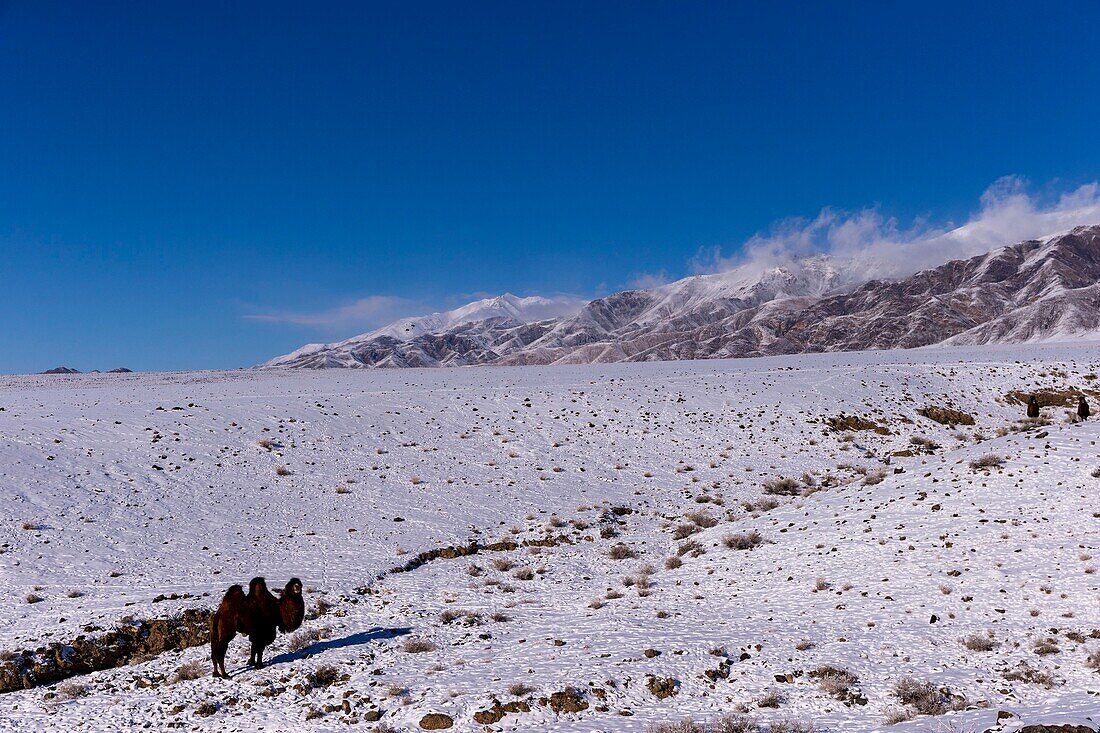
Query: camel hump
x,y
235,591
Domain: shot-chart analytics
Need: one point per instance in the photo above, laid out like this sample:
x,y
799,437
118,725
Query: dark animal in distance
x,y
1083,408
1032,407
257,615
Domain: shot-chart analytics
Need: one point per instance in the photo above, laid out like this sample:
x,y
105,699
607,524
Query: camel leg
x,y
217,656
219,645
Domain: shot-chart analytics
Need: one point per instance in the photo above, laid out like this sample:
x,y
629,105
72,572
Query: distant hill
x,y
1039,290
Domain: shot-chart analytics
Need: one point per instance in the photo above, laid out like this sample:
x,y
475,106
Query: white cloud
x,y
881,248
647,280
373,310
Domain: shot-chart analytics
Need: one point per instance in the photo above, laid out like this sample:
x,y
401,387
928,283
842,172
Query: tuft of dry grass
x,y
771,698
324,676
979,642
687,725
519,689
282,471
305,639
524,573
192,670
743,540
72,690
925,698
701,518
836,682
764,504
782,486
986,462
418,646
621,551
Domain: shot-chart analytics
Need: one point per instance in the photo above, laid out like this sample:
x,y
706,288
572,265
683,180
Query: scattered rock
x,y
946,416
436,721
663,687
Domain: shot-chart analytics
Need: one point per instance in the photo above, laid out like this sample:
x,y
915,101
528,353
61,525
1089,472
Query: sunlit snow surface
x,y
507,453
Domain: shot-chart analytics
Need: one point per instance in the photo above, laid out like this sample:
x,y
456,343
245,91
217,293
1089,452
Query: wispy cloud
x,y
368,312
882,247
647,280
873,246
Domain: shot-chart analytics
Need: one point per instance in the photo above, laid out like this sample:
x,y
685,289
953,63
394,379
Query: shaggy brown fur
x,y
256,615
1082,408
1032,407
292,607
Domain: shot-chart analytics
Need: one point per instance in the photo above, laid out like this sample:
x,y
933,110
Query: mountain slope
x,y
1032,291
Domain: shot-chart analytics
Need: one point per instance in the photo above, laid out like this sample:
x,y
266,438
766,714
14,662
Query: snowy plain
x,y
121,488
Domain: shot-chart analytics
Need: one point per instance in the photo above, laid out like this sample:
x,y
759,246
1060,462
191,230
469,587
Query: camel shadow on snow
x,y
356,639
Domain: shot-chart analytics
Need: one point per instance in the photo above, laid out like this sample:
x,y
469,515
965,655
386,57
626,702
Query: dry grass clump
x,y
771,698
324,676
687,725
192,670
790,726
923,443
282,471
734,724
621,551
836,682
417,646
979,642
305,639
986,462
897,715
691,547
1024,672
460,615
731,723
684,531
701,518
519,689
265,443
763,504
743,540
72,690
1046,646
671,563
782,486
1092,661
925,698
524,573
33,598
874,477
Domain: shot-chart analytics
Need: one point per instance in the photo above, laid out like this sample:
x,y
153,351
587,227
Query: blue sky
x,y
169,171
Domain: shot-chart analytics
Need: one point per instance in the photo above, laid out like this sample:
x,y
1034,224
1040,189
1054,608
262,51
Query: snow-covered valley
x,y
691,539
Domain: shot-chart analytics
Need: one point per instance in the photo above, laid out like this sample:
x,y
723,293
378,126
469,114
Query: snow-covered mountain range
x,y
1039,290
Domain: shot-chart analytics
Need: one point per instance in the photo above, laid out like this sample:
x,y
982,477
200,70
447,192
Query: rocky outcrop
x,y
436,721
130,641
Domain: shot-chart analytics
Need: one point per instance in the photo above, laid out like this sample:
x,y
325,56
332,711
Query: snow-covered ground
x,y
118,489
